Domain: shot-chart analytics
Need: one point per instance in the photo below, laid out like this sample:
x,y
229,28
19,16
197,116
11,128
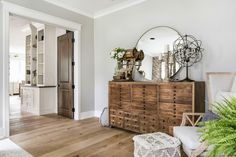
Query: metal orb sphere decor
x,y
187,51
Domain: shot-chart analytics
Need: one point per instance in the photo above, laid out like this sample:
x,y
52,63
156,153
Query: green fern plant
x,y
221,133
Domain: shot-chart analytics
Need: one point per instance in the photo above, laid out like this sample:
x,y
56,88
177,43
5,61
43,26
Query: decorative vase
x,y
118,67
156,69
138,75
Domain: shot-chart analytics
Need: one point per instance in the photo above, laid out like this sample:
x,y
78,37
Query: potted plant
x,y
220,134
117,54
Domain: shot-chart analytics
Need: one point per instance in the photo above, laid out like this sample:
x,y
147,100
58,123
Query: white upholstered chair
x,y
189,136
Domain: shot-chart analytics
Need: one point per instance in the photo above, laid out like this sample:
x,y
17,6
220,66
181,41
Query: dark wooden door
x,y
65,75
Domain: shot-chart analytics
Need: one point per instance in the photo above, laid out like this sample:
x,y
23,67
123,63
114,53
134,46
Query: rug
x,y
10,149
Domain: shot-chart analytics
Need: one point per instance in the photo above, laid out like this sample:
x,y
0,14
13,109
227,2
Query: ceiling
x,y
94,8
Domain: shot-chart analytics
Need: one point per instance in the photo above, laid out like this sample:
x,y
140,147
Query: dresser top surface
x,y
151,82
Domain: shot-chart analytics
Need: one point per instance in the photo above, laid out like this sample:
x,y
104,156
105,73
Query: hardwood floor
x,y
56,136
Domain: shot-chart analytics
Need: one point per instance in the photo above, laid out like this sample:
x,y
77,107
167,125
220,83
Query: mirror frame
x,y
177,72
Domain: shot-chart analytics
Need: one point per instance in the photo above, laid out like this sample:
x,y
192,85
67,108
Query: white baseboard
x,y
85,115
89,114
76,116
47,111
97,113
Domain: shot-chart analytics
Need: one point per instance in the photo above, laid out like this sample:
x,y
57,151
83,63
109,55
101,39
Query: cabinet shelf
x,y
44,52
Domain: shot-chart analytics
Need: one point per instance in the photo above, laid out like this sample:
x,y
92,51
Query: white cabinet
x,y
39,96
39,100
41,52
46,56
31,56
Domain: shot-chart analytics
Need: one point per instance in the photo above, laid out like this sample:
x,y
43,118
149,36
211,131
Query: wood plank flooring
x,y
56,136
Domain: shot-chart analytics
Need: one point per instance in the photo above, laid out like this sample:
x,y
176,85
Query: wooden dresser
x,y
146,107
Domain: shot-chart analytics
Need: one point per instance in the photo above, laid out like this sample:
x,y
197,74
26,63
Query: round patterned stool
x,y
156,145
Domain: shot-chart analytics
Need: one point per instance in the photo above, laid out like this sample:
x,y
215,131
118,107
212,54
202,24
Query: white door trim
x,y
7,10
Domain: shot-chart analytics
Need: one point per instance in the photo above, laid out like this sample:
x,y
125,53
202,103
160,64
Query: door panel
x,y
65,59
65,75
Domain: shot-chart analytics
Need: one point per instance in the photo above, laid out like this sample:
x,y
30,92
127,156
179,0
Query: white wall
x,y
60,31
1,71
212,21
17,47
17,36
17,68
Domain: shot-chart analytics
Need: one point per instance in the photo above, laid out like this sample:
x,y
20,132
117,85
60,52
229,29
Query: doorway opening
x,y
9,9
41,76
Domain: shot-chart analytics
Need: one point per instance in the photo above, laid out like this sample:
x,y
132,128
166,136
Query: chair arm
x,y
192,121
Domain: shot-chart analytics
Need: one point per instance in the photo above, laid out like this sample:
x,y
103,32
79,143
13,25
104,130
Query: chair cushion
x,y
187,150
233,89
188,135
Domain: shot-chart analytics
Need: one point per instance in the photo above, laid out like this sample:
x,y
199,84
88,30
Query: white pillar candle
x,y
167,48
171,59
160,56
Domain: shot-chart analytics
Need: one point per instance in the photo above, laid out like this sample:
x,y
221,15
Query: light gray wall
x,y
87,57
1,70
212,21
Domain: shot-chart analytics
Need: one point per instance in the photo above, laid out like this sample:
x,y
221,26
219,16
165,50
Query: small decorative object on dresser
x,y
156,145
187,51
127,60
117,54
147,107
